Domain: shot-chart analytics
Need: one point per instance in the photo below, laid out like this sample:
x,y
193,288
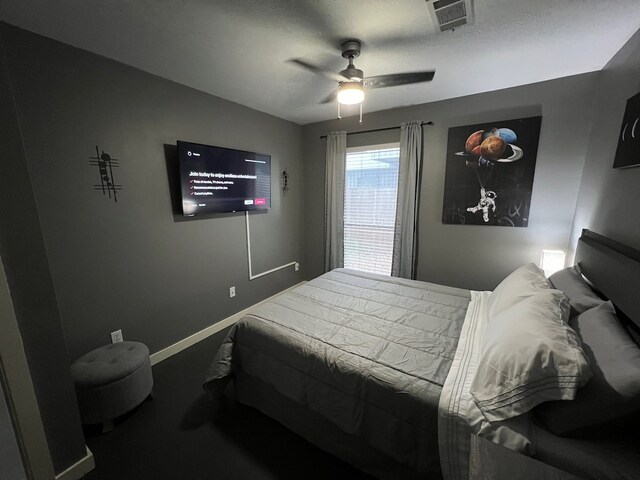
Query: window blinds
x,y
370,197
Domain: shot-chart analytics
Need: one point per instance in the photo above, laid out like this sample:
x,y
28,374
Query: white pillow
x,y
529,355
521,283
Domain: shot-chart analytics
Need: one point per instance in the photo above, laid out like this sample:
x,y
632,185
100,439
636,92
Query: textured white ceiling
x,y
237,49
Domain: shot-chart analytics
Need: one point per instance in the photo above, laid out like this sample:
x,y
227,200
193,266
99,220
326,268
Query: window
x,y
370,197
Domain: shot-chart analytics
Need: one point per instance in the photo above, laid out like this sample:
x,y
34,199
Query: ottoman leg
x,y
107,426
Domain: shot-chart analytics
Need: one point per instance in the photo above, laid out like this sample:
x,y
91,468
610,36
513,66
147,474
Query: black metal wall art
x,y
105,165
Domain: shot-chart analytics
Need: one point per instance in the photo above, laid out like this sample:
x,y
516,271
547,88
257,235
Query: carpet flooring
x,y
183,434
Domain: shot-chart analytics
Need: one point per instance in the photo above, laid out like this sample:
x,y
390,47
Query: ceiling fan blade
x,y
329,98
395,79
318,70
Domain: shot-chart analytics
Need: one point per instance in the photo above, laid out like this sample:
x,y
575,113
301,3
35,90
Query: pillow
x,y
521,283
529,355
581,296
614,391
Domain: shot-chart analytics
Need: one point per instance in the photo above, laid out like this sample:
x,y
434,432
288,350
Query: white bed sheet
x,y
458,415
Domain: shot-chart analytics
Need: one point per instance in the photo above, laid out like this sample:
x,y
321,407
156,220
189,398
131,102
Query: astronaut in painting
x,y
487,201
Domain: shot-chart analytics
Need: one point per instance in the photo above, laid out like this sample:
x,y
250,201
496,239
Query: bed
x,y
379,371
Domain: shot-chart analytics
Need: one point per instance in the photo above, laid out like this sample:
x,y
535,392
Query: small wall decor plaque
x,y
106,164
628,151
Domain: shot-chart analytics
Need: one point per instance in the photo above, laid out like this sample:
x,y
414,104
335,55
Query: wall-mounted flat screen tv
x,y
216,179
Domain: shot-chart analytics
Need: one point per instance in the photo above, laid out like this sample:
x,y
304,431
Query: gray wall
x,y
25,261
20,391
135,265
609,200
473,256
10,458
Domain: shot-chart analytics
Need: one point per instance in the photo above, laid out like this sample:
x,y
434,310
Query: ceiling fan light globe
x,y
351,94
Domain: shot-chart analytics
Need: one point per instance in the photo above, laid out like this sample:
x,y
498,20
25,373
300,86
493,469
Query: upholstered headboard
x,y
614,270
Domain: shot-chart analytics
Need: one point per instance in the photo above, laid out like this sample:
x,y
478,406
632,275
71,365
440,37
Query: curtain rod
x,y
378,129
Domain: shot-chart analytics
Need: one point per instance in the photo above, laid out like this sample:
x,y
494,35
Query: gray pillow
x,y
614,390
581,296
529,356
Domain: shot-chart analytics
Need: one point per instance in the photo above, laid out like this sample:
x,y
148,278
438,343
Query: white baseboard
x,y
78,469
177,347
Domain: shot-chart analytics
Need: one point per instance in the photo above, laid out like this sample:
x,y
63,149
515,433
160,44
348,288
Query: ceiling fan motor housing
x,y
352,73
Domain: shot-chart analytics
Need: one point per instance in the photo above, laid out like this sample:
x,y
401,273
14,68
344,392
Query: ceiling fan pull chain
x,y
339,116
360,112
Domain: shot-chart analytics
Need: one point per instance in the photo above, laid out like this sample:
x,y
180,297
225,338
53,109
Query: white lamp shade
x,y
552,261
351,93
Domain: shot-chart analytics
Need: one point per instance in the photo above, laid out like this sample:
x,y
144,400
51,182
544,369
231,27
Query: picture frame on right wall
x,y
628,151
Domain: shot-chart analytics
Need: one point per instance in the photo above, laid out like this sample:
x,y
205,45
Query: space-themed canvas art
x,y
490,168
628,151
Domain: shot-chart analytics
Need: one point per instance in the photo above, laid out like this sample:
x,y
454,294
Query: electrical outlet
x,y
232,292
116,336
296,266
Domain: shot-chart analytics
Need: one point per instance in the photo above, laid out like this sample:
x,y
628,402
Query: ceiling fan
x,y
352,82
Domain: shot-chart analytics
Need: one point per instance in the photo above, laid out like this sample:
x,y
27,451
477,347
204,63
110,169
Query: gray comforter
x,y
370,353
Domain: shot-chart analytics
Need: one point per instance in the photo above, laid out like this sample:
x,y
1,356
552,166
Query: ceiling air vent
x,y
450,14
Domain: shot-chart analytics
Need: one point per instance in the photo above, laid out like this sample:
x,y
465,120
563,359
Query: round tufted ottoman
x,y
111,380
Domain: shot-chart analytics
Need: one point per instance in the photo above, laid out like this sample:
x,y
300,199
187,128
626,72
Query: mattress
x,y
366,352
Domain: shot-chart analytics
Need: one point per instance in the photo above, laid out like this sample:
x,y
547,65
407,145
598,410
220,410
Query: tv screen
x,y
216,179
